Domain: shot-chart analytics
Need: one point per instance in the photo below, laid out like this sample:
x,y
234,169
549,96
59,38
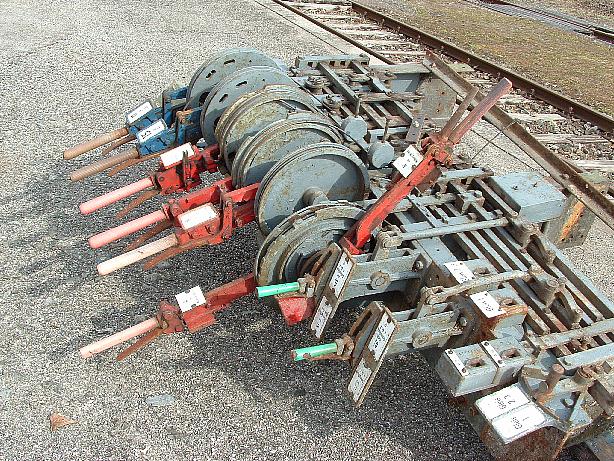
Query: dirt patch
x,y
598,11
567,62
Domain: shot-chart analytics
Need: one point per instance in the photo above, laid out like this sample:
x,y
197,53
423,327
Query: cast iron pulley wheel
x,y
254,111
331,170
287,249
232,88
259,153
220,66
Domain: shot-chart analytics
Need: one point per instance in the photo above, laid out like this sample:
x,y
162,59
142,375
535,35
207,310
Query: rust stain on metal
x,y
487,326
572,220
542,445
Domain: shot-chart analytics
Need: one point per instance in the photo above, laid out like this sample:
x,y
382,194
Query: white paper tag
x,y
152,130
459,271
176,155
457,362
487,304
341,274
501,402
382,335
359,380
137,113
518,422
197,216
406,163
321,318
189,299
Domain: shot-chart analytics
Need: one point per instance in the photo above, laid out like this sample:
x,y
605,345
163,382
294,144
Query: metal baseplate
x,y
349,173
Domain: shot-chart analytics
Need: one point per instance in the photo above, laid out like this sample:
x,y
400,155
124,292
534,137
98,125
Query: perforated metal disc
x,y
254,111
259,153
232,88
220,66
332,168
299,236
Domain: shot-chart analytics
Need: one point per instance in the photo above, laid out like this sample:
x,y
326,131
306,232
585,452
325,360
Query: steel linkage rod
x,y
560,170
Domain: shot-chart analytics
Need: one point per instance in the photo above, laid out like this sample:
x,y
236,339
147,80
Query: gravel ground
x,y
70,70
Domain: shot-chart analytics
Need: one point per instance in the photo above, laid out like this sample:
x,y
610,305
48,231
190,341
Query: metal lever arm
x,y
170,319
204,217
178,177
437,151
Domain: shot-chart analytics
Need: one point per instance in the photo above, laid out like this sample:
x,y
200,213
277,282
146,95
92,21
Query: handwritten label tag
x,y
138,112
459,271
321,318
197,216
190,299
518,422
487,304
341,274
501,402
152,130
359,380
406,163
382,335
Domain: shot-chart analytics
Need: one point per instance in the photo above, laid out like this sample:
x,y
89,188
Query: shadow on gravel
x,y
250,343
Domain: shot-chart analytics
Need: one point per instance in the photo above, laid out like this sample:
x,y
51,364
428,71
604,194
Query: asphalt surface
x,y
69,72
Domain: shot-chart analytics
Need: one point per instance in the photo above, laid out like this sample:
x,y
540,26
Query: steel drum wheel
x,y
255,111
259,153
331,168
285,250
220,66
230,89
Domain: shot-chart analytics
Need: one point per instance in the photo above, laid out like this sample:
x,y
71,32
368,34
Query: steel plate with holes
x,y
220,66
258,154
331,168
232,88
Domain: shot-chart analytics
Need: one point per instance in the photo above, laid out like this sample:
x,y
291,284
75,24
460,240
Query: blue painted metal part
x,y
168,108
177,129
185,129
172,100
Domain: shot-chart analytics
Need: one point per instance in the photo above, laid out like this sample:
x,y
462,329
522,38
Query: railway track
x,y
561,125
561,21
393,41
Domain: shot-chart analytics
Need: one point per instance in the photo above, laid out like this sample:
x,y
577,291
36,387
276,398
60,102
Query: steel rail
x,y
334,31
536,90
578,25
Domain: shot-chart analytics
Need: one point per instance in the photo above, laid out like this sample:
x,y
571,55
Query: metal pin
x,y
357,108
385,137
